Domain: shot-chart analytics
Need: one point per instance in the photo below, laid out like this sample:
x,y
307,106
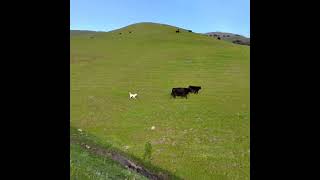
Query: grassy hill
x,y
84,33
205,136
230,37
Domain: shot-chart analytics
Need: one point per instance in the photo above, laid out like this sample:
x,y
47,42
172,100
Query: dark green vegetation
x,y
205,136
230,37
147,151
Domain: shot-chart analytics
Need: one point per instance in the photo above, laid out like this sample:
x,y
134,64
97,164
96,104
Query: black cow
x,y
194,89
183,92
177,31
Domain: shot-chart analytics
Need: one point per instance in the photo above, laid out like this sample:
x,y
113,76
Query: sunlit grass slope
x,y
203,137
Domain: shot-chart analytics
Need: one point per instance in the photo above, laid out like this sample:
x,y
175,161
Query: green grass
x,y
84,138
84,165
201,137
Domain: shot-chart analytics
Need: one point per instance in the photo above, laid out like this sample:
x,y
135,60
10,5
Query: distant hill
x,y
235,38
83,32
230,37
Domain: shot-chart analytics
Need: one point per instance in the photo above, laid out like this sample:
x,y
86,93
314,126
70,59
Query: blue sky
x,y
198,15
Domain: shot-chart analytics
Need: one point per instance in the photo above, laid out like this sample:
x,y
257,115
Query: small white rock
x,y
80,130
152,128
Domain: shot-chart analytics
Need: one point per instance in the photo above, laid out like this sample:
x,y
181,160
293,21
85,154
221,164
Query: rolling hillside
x,y
84,33
230,37
203,137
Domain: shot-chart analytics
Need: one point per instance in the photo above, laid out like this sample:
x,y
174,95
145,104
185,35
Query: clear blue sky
x,y
198,15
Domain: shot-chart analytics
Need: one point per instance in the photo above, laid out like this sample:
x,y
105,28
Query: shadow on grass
x,y
91,144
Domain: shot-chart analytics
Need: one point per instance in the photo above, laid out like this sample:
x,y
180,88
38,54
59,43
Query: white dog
x,y
132,95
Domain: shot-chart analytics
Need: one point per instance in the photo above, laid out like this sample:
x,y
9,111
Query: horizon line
x,y
96,30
